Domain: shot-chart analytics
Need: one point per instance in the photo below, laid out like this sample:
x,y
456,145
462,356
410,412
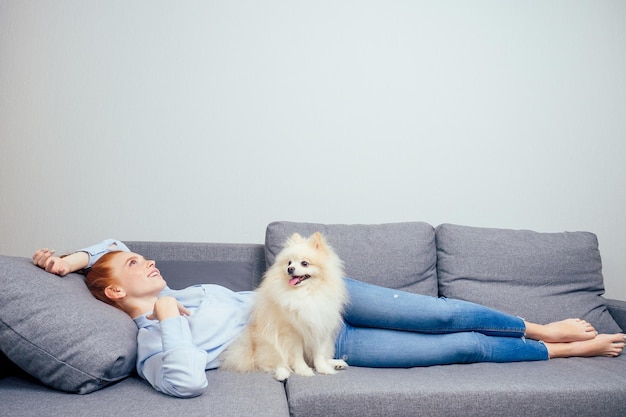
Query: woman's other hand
x,y
167,307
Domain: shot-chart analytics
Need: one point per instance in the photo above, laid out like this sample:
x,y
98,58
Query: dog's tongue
x,y
294,281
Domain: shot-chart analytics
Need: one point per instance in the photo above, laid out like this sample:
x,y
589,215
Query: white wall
x,y
205,120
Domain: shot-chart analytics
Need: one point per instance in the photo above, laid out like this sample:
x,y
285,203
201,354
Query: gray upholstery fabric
x,y
56,331
541,277
395,255
559,387
228,394
617,308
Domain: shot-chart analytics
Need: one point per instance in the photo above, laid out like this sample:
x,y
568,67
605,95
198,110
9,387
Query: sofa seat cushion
x,y
55,330
229,394
395,255
542,277
556,388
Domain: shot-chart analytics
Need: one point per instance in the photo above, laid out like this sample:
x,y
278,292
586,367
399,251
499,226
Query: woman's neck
x,y
136,307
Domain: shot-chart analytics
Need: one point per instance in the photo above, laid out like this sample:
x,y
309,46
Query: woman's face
x,y
136,275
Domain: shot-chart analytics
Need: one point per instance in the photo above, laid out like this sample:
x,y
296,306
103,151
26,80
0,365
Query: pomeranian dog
x,y
297,314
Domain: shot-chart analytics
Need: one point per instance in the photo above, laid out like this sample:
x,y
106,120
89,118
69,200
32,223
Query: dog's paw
x,y
337,364
304,371
326,370
281,374
330,366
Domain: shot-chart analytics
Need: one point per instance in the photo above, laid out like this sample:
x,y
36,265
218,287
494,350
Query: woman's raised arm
x,y
81,259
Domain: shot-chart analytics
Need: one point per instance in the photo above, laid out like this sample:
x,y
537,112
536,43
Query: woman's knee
x,y
472,347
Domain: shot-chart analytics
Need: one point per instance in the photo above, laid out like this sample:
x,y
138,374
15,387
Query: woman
x,y
182,332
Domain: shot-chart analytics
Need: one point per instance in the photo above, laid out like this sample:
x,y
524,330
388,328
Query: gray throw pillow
x,y
54,329
542,277
394,255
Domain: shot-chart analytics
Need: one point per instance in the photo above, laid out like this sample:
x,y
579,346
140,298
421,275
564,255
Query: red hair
x,y
100,276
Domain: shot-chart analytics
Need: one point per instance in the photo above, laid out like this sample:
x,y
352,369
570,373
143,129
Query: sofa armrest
x,y
617,308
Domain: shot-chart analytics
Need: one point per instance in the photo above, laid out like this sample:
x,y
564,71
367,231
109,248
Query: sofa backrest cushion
x,y
396,255
55,330
541,277
237,266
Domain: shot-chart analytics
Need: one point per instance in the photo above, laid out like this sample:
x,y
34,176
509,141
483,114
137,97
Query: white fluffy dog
x,y
297,314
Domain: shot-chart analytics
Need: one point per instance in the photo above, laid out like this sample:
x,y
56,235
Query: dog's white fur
x,y
293,326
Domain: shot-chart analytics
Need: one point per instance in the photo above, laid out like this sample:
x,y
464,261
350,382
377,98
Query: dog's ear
x,y
295,238
317,241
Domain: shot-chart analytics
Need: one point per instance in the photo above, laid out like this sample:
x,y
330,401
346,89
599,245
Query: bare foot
x,y
602,345
569,330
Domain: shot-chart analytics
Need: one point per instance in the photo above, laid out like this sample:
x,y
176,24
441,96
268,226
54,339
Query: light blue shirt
x,y
173,355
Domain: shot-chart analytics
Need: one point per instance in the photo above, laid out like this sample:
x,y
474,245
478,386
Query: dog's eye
x,y
289,264
304,263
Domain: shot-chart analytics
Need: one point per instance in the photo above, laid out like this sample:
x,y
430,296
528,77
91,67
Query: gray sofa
x,y
66,354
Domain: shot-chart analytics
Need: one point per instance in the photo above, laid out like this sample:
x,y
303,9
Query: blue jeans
x,y
387,328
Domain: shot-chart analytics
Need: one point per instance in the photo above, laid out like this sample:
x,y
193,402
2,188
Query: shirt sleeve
x,y
179,370
96,251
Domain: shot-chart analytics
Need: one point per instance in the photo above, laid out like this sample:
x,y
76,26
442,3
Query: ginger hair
x,y
100,276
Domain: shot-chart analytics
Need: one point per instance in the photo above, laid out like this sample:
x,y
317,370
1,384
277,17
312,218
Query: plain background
x,y
206,120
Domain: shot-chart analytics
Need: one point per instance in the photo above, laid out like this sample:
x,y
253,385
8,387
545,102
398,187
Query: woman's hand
x,y
61,266
167,307
44,258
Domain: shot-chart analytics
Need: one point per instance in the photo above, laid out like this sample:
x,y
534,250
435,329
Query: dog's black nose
x,y
290,270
